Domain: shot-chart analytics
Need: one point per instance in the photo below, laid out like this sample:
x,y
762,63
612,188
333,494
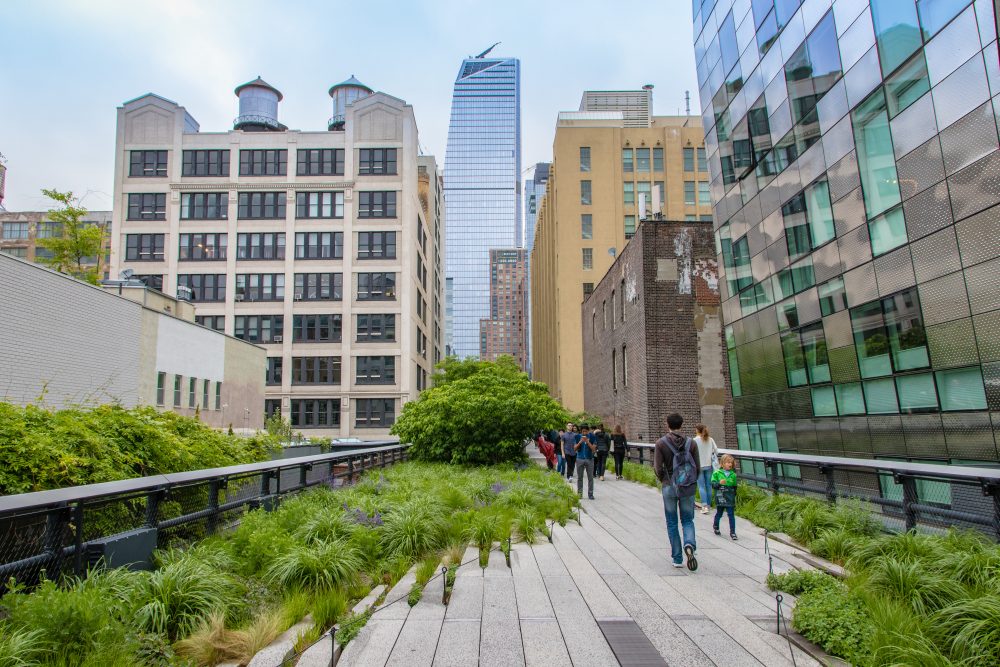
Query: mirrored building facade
x,y
855,165
482,189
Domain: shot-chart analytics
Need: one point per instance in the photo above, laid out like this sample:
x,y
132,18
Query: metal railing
x,y
908,495
120,523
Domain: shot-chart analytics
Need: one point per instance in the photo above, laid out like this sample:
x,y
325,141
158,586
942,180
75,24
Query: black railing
x,y
908,495
120,523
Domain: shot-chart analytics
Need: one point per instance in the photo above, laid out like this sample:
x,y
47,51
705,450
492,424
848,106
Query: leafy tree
x,y
453,368
482,417
77,242
584,417
278,427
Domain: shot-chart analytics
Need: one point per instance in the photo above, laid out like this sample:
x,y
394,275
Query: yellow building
x,y
603,162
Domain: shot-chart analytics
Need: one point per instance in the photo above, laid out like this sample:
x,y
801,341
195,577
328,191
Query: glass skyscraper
x,y
482,173
855,164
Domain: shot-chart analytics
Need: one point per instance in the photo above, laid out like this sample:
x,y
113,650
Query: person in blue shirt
x,y
568,439
586,448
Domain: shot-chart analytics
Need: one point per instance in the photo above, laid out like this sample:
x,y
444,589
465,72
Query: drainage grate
x,y
630,645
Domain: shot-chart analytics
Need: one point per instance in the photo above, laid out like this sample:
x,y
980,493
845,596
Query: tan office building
x,y
603,163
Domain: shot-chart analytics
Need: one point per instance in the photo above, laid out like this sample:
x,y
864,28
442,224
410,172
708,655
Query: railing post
x,y
772,474
381,456
213,506
350,470
831,489
909,499
52,539
153,507
642,451
303,473
993,489
78,539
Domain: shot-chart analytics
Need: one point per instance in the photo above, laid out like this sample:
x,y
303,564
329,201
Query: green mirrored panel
x,y
850,398
961,389
907,85
916,393
824,402
880,396
876,161
887,231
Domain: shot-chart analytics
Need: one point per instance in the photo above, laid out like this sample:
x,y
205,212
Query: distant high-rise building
x,y
482,175
534,190
505,331
636,106
3,179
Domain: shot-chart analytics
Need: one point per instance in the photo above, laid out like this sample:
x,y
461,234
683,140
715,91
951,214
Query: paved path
x,y
558,602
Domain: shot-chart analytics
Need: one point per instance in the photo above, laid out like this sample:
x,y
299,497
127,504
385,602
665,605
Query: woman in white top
x,y
708,454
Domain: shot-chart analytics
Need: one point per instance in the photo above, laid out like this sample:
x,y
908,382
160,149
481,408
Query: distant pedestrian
x,y
556,438
602,443
547,449
724,482
619,445
708,455
569,439
675,462
585,451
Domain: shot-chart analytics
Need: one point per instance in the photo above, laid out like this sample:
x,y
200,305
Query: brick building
x,y
506,330
652,335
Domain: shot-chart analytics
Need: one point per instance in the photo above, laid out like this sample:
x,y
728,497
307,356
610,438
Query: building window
x,y
628,190
586,226
263,162
205,163
374,412
889,335
961,389
272,406
377,204
260,328
147,206
319,286
377,245
588,259
876,161
205,287
702,162
149,280
177,391
621,291
808,220
887,231
375,370
315,413
585,192
161,382
273,373
319,245
584,158
260,286
629,226
704,193
657,159
319,162
15,231
614,369
624,366
376,286
214,322
261,206
376,161
192,392
48,230
315,370
832,297
316,328
688,159
604,313
628,165
644,190
147,163
202,247
642,160
588,289
144,247
218,395
204,205
319,204
689,197
260,245
204,393
376,328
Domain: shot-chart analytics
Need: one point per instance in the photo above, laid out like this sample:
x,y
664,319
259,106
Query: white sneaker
x,y
705,510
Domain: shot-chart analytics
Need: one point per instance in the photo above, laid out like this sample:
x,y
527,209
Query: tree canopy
x,y
453,368
78,248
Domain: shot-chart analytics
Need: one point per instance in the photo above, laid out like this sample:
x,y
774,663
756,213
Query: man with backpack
x,y
675,464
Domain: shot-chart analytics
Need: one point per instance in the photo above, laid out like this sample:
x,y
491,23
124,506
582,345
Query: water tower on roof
x,y
258,107
345,93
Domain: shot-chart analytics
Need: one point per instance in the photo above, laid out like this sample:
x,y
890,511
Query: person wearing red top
x,y
548,450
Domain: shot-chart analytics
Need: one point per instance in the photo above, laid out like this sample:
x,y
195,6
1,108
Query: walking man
x,y
675,461
585,451
602,441
569,440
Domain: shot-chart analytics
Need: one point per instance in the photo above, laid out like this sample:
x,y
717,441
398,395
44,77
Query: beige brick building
x,y
604,163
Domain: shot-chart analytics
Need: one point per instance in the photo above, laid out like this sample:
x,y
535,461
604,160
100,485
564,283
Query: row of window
x,y
260,245
326,370
260,205
20,231
323,328
264,162
325,413
200,393
211,287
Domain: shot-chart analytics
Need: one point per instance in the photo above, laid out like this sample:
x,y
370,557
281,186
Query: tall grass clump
x,y
320,565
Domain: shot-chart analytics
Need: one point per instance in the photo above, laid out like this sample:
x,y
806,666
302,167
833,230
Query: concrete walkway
x,y
594,596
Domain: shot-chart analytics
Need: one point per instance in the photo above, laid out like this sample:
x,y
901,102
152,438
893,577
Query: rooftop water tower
x,y
345,93
258,107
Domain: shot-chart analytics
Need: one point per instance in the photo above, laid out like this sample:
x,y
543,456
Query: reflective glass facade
x,y
854,156
482,189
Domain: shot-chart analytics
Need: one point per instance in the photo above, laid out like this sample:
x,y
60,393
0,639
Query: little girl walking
x,y
724,482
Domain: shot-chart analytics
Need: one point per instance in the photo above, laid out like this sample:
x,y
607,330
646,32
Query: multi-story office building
x,y
506,331
482,181
853,149
322,246
601,169
534,190
20,232
636,106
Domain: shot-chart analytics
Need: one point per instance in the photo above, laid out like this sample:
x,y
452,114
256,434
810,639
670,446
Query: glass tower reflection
x,y
481,188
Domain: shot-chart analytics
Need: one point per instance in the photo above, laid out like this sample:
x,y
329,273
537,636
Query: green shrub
x,y
835,544
351,626
643,474
527,524
797,582
834,619
413,529
910,582
320,565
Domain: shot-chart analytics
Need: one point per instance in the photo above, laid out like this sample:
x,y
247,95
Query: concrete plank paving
x,y
458,645
500,634
544,645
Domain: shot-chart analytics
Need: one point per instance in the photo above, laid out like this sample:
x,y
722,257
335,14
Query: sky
x,y
66,65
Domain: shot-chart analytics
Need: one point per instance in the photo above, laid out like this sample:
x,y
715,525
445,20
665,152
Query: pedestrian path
x,y
603,592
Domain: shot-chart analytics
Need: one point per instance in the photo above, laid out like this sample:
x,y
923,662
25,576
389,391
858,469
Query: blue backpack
x,y
685,474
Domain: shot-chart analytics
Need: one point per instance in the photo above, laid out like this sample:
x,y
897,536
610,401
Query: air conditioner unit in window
x,y
239,297
298,296
276,339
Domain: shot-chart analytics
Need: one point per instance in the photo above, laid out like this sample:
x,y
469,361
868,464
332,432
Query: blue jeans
x,y
561,464
685,506
705,485
731,511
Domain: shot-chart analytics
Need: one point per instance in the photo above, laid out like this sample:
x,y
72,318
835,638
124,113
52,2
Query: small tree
x,y
482,418
278,427
453,368
77,241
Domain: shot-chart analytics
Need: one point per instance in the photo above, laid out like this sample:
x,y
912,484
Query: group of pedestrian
x,y
584,451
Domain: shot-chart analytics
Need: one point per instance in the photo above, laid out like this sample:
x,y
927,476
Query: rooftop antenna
x,y
483,54
687,102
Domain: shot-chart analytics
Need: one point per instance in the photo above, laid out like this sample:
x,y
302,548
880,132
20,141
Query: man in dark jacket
x,y
678,499
602,441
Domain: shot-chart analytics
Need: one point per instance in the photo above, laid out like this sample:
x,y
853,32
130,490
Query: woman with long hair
x,y
619,443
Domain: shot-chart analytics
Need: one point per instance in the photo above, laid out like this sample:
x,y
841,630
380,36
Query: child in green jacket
x,y
724,482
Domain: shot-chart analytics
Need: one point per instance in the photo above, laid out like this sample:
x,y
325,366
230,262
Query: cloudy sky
x,y
66,64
